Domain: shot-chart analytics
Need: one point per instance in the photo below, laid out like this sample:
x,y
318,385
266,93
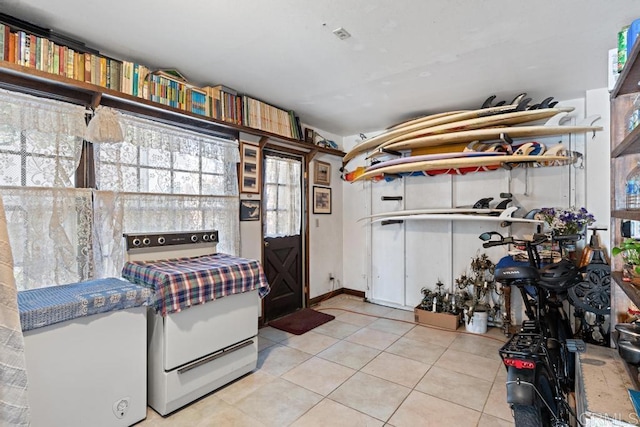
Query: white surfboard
x,y
505,216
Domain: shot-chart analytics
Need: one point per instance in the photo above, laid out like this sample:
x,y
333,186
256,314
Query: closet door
x,y
387,246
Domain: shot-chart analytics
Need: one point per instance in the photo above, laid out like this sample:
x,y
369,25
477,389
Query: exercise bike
x,y
539,359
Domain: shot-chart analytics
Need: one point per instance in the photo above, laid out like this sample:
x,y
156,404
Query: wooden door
x,y
282,257
283,268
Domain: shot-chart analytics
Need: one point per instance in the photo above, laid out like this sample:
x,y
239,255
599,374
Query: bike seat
x,y
513,273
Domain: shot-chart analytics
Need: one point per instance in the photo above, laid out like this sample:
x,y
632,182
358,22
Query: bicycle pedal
x,y
576,346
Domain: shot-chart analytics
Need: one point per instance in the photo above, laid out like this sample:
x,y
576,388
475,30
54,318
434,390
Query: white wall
x,y
404,258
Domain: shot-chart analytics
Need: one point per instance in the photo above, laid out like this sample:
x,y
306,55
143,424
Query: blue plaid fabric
x,y
46,306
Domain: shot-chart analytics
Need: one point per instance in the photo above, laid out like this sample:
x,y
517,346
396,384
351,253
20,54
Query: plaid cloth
x,y
183,282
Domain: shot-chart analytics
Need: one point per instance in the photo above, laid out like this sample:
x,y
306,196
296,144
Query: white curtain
x,y
51,233
50,132
158,158
49,220
14,404
282,196
118,213
162,178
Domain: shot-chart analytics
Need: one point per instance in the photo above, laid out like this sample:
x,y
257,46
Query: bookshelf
x,y
27,80
40,62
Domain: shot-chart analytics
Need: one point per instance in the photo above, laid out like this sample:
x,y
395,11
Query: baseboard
x,y
319,299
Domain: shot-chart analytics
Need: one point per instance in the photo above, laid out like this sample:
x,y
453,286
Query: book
x,y
4,42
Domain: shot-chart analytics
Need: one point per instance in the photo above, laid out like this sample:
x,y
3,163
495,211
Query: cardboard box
x,y
441,320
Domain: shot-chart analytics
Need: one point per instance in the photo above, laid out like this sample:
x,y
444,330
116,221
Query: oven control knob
x,y
146,241
213,237
194,238
161,240
136,242
205,237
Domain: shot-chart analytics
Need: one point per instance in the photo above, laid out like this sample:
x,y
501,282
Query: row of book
x,y
167,87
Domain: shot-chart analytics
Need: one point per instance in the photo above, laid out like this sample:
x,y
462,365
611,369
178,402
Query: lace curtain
x,y
118,213
40,140
282,196
50,230
48,220
158,158
161,178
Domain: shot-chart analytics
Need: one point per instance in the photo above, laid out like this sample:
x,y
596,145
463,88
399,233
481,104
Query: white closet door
x,y
387,246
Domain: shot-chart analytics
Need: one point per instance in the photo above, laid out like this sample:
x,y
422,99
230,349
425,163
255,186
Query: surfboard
x,y
505,119
455,163
427,157
488,134
456,122
505,217
433,211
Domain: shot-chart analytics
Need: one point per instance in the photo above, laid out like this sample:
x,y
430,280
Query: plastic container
x,y
478,323
632,188
632,35
633,116
622,47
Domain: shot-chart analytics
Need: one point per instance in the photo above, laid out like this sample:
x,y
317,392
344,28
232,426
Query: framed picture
x,y
309,135
250,168
321,200
322,173
249,210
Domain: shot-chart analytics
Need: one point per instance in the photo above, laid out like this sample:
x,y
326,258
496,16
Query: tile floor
x,y
370,366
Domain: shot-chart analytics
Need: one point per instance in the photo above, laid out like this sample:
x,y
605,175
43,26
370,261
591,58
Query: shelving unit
x,y
625,153
28,80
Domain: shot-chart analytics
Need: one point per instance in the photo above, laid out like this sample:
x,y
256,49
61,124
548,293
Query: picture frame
x,y
309,135
249,210
250,168
322,173
321,200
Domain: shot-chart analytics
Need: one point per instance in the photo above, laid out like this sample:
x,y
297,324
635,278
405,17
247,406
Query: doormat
x,y
301,321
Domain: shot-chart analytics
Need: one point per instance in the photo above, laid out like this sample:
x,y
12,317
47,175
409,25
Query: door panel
x,y
387,247
283,253
283,268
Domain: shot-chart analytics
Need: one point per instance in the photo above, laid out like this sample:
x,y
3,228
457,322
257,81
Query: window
x,y
282,196
160,178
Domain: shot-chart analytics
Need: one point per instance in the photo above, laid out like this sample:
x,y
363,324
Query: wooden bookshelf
x,y
39,83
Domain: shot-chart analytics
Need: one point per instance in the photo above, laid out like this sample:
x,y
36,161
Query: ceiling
x,y
404,58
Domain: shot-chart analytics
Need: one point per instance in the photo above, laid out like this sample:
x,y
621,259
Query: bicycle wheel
x,y
542,412
569,359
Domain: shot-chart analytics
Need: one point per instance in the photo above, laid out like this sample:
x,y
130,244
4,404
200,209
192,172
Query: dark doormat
x,y
301,321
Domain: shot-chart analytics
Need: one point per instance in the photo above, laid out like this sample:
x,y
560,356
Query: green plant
x,y
630,251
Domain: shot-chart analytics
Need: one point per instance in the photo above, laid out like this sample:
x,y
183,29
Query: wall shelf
x,y
39,83
632,291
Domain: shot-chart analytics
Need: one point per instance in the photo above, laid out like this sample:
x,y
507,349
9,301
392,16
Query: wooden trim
x,y
319,299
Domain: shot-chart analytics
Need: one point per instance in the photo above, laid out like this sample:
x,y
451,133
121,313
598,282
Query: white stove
x,y
201,348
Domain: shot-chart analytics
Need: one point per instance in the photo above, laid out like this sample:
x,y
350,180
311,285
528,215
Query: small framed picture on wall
x,y
249,210
322,173
250,168
321,200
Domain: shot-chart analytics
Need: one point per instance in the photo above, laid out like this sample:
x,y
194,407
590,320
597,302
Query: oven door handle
x,y
214,356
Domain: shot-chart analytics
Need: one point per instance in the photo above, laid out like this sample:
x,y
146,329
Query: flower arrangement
x,y
567,221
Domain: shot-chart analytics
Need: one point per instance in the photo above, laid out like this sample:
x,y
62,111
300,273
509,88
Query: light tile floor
x,y
370,366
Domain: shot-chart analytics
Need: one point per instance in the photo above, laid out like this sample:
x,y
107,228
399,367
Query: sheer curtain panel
x,y
163,178
49,220
282,196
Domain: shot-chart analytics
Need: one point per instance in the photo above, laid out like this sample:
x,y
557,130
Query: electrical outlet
x,y
120,407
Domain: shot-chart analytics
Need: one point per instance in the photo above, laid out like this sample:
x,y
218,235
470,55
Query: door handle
x,y
266,244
